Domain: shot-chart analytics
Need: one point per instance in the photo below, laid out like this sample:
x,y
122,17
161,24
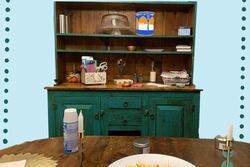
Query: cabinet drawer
x,y
125,102
125,118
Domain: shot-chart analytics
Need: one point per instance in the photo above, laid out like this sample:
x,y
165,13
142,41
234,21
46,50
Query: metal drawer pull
x,y
125,122
102,113
125,104
97,116
152,116
146,112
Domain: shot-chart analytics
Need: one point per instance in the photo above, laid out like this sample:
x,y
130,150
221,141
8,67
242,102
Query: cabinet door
x,y
173,115
90,107
169,121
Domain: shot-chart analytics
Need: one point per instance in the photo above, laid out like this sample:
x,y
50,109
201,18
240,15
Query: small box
x,y
90,78
184,31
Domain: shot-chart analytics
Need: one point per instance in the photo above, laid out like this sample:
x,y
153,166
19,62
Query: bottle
x,y
70,130
135,78
62,23
152,75
140,78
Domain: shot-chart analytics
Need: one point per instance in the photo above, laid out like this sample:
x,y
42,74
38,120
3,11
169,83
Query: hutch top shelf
x,y
86,16
85,38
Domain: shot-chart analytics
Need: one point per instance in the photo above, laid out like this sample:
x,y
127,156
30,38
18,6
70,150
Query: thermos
x,y
70,130
63,23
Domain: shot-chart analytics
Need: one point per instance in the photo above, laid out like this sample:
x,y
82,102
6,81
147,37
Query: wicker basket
x,y
91,78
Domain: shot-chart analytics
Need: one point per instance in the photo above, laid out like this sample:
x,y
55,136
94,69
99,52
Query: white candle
x,y
152,76
80,122
230,132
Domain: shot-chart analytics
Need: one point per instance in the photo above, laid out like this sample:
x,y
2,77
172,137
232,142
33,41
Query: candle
x,y
230,132
80,122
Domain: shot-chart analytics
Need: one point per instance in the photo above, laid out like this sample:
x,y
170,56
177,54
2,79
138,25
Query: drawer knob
x,y
102,113
152,116
146,112
125,104
97,116
125,122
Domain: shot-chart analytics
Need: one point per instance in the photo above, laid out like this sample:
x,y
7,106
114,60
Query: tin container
x,y
221,143
141,146
145,23
184,31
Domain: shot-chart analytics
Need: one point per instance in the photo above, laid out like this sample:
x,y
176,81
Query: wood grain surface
x,y
101,151
79,86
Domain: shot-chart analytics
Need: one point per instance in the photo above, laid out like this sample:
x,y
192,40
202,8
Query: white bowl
x,y
151,159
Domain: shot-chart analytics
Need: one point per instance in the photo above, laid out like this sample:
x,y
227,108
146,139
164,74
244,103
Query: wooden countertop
x,y
101,151
79,86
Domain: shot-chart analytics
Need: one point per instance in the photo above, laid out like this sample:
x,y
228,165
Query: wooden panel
x,y
159,22
102,151
60,67
191,17
137,64
169,121
75,21
87,19
175,63
125,102
169,22
125,118
78,43
112,87
131,18
89,105
91,21
138,6
95,43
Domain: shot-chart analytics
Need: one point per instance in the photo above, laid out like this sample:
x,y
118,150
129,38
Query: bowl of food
x,y
151,160
125,82
131,48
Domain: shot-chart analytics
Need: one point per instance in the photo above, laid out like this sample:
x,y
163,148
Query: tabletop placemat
x,y
32,160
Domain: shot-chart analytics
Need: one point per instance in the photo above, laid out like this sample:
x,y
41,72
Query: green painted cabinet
x,y
124,114
169,120
172,114
114,110
90,107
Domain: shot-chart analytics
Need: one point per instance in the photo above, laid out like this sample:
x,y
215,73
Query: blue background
x,y
32,67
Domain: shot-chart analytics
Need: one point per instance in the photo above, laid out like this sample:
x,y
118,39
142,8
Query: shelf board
x,y
123,52
121,36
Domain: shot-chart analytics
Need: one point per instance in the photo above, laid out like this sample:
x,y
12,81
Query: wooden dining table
x,y
100,151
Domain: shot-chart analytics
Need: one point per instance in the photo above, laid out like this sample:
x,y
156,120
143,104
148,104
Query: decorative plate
x,y
151,160
154,50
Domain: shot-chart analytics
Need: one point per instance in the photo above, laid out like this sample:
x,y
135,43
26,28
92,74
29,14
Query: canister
x,y
184,30
70,130
145,23
141,146
220,143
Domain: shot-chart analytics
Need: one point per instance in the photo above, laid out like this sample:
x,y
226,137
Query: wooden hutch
x,y
115,110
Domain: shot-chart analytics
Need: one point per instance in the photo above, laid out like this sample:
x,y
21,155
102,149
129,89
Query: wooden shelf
x,y
85,37
124,52
122,36
79,86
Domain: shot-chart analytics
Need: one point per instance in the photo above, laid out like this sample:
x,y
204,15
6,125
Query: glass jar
x,y
141,146
140,78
